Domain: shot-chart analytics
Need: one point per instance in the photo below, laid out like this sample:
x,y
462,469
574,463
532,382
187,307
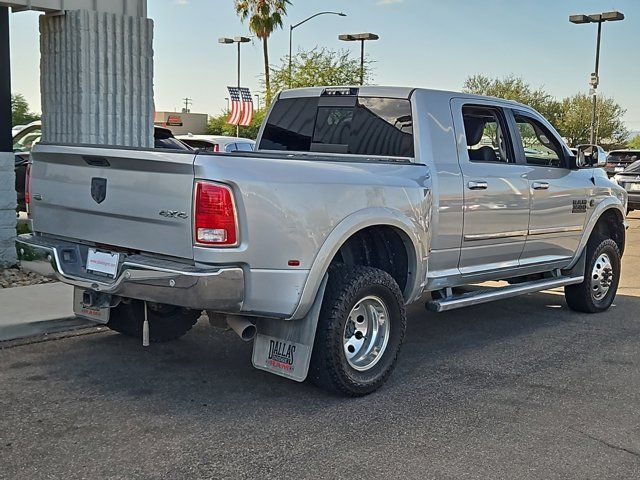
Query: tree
x,y
319,67
265,16
515,88
634,142
575,121
218,125
20,114
571,116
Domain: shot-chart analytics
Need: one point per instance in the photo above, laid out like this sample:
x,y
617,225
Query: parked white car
x,y
217,143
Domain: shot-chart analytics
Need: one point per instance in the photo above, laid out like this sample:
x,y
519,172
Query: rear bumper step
x,y
140,277
484,296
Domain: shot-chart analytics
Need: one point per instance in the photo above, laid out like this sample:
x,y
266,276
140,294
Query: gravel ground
x,y
15,277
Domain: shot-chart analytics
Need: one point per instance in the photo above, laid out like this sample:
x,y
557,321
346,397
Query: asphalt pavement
x,y
522,388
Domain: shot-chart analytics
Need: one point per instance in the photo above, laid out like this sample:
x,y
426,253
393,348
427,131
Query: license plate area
x,y
619,169
634,187
95,313
102,263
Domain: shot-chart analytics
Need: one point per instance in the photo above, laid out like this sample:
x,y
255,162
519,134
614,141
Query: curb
x,y
32,330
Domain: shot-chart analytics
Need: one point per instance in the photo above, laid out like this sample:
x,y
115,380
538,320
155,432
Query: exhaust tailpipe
x,y
243,327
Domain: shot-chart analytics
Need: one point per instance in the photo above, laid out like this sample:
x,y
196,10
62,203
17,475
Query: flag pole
x,y
238,126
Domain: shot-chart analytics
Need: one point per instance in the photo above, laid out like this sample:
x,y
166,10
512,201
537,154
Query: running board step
x,y
483,296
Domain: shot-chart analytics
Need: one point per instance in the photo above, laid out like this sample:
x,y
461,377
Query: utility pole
x,y
187,102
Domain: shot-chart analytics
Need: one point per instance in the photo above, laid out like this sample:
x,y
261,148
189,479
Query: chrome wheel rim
x,y
601,277
366,333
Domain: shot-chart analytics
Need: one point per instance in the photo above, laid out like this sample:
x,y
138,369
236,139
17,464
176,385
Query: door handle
x,y
540,185
477,185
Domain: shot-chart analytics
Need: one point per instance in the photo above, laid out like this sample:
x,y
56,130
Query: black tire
x,y
166,322
346,287
580,297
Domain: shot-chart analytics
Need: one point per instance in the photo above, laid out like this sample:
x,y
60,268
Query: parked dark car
x,y
23,142
618,160
26,138
629,179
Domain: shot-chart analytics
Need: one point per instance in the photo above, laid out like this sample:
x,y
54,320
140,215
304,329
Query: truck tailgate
x,y
137,199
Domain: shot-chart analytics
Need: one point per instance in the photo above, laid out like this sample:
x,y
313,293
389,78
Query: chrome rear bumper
x,y
141,277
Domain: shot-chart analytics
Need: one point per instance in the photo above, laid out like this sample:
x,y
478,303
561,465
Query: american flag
x,y
241,106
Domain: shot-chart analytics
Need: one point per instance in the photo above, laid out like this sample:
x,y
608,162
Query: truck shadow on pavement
x,y
211,368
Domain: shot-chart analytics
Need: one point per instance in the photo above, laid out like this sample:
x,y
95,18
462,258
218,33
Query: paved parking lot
x,y
523,388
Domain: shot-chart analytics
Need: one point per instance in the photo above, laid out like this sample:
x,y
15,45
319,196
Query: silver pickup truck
x,y
357,202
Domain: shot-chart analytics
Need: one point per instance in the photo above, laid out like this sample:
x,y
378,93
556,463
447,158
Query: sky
x,y
423,43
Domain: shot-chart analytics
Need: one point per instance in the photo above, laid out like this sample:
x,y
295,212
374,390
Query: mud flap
x,y
284,347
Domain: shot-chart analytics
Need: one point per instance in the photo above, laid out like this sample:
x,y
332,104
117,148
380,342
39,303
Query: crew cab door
x,y
558,194
495,189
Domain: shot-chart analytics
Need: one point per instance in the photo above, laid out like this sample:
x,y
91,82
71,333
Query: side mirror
x,y
590,156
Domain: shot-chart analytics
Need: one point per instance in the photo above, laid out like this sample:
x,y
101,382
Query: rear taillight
x,y
27,186
215,215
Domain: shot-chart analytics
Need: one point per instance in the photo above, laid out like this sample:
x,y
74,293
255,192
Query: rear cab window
x,y
343,124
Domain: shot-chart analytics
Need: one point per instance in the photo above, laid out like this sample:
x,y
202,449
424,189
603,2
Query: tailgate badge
x,y
98,189
173,214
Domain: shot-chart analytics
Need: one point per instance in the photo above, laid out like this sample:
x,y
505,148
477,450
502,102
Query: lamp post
x,y
598,18
359,37
291,27
237,40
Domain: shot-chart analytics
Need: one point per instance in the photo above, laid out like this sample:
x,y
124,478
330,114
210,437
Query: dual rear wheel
x,y
602,276
360,331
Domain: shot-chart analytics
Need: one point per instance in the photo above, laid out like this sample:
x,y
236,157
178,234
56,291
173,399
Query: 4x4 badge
x,y
98,189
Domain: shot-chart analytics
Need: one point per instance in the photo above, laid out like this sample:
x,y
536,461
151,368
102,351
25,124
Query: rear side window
x,y
244,147
352,125
486,134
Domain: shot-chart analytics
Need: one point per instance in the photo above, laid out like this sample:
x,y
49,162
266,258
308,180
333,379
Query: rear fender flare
x,y
359,220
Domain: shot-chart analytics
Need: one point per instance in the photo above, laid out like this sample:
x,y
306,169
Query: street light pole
x,y
595,86
361,62
598,18
361,37
237,40
291,27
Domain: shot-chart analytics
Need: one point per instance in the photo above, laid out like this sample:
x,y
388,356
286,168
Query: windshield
x,y
633,168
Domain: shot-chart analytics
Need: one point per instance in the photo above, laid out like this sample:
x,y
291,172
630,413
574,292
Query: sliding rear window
x,y
350,125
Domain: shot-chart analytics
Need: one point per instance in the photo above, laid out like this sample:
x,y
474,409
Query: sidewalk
x,y
36,310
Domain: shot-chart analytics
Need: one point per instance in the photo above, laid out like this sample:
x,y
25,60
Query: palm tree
x,y
265,16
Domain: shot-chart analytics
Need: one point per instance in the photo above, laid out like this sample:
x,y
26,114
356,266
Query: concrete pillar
x,y
7,178
96,79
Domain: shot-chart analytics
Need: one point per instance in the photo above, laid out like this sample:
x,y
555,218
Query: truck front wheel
x,y
166,322
601,278
360,331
